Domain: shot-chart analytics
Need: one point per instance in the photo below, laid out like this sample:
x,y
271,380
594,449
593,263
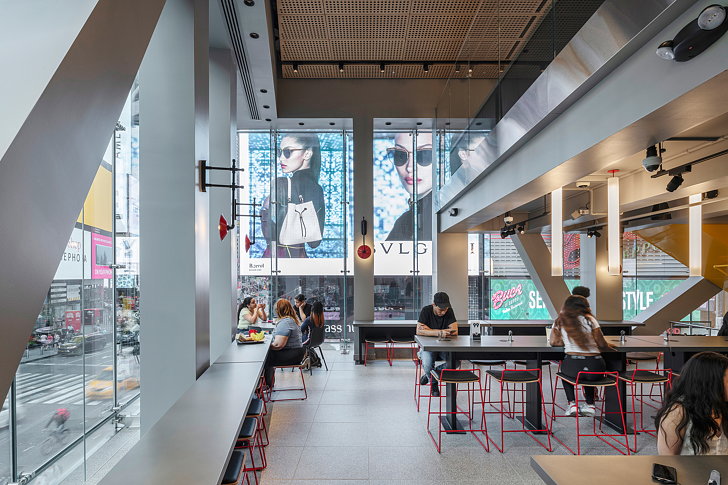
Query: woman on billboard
x,y
419,179
300,212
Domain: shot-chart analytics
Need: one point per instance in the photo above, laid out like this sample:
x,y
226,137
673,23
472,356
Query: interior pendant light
x,y
695,234
614,234
557,232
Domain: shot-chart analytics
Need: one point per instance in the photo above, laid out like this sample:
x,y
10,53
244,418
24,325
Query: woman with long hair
x,y
316,319
694,418
579,333
250,312
287,346
300,162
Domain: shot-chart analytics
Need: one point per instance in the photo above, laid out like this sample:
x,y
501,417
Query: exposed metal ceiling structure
x,y
317,35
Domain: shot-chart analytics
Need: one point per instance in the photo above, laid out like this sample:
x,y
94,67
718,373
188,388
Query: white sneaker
x,y
587,410
573,410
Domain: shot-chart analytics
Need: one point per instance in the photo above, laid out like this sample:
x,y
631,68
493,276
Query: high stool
x,y
418,387
639,358
233,469
606,379
257,409
518,377
372,343
552,384
488,364
271,389
249,439
402,343
640,377
456,376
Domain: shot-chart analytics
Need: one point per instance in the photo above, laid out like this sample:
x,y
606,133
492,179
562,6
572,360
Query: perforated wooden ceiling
x,y
443,32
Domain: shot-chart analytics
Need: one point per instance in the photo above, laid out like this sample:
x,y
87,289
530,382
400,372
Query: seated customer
x,y
250,313
315,319
579,333
303,309
287,346
694,418
436,320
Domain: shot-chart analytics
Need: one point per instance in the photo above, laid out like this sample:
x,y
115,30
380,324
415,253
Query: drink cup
x,y
548,334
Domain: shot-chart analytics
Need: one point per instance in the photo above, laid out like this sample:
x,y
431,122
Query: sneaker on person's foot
x,y
424,380
435,390
587,410
573,410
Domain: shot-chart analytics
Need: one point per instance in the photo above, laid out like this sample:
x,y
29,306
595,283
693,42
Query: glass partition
x,y
298,187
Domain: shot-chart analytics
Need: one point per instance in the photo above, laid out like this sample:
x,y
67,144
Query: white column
x,y
173,212
223,148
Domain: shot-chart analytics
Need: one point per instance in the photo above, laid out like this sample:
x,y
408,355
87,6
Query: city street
x,y
48,384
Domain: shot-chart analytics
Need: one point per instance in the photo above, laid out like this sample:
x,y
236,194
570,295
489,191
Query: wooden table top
x,y
624,470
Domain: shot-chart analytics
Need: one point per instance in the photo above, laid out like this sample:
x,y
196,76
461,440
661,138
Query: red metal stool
x,y
233,469
517,377
273,389
489,364
640,377
402,343
372,343
456,376
418,387
607,379
249,439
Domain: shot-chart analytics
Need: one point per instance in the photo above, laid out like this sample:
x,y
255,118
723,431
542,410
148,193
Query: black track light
x,y
593,233
457,67
521,229
381,67
295,67
341,67
426,67
674,183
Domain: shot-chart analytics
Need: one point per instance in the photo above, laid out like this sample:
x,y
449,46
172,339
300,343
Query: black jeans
x,y
573,364
281,357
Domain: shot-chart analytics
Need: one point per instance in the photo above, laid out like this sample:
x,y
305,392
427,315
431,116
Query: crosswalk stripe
x,y
52,390
47,385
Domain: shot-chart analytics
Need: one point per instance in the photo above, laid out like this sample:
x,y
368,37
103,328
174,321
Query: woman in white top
x,y
579,333
251,313
694,418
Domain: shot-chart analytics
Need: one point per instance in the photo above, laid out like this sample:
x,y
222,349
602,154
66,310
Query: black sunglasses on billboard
x,y
287,152
400,156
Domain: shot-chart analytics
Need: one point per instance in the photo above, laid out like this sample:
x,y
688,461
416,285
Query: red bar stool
x,y
640,377
516,377
375,343
402,343
488,364
257,409
607,379
233,469
638,359
272,389
456,376
418,387
249,439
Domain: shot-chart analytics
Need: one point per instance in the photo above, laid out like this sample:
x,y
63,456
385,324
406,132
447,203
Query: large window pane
x,y
300,243
5,442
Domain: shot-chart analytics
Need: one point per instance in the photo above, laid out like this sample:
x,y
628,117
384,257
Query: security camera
x,y
652,160
508,219
582,184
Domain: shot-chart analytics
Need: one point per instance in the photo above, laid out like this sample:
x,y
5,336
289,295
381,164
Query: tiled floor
x,y
359,425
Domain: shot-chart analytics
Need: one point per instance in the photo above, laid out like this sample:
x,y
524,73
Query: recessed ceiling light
x,y
268,120
301,123
447,123
254,35
331,123
266,106
263,91
388,123
419,123
478,123
249,3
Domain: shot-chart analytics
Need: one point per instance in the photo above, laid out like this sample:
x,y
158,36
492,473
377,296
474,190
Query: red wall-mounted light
x,y
222,227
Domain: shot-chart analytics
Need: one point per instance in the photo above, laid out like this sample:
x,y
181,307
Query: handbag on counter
x,y
301,224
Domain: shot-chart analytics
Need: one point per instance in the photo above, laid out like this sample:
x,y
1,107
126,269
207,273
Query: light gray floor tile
x,y
282,462
338,434
333,463
289,412
341,413
289,433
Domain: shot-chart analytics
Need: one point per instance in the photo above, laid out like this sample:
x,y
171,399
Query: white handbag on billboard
x,y
301,224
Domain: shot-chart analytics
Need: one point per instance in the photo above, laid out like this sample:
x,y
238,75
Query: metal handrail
x,y
691,325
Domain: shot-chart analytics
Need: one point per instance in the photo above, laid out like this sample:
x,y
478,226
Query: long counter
x,y
192,442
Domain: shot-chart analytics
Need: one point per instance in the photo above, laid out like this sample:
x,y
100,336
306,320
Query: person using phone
x,y
694,418
436,320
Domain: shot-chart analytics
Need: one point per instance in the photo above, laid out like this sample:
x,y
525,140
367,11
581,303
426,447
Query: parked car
x,y
75,346
101,387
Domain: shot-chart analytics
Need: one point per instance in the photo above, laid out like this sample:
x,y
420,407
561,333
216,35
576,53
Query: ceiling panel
x,y
445,31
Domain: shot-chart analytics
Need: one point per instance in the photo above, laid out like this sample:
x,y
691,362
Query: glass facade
x,y
81,362
403,179
284,251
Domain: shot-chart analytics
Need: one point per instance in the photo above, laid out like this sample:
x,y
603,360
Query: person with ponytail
x,y
315,319
694,418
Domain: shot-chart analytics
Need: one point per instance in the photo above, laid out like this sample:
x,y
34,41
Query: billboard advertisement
x,y
518,299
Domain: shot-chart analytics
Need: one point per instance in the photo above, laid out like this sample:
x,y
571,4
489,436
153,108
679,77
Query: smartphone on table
x,y
664,474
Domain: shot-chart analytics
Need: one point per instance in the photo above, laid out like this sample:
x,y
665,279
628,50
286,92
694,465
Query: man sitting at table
x,y
436,320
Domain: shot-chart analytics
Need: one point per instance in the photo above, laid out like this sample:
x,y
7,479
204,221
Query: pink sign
x,y
102,256
500,296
